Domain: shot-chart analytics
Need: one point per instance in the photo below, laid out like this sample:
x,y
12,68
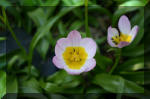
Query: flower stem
x,y
86,19
118,55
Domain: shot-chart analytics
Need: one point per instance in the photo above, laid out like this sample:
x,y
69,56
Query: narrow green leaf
x,y
134,3
137,77
73,2
38,16
76,25
62,28
131,64
2,83
28,2
50,3
134,52
5,3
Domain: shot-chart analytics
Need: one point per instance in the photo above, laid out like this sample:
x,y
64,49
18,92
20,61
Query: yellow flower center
x,y
75,57
121,38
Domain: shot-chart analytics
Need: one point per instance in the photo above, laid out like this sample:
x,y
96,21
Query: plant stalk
x,y
86,19
118,55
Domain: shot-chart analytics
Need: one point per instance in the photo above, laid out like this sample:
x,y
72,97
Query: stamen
x,y
73,58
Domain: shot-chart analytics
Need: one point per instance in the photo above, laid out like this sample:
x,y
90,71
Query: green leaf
x,y
2,60
131,87
99,9
62,28
110,83
50,3
68,80
95,89
12,84
43,46
146,77
62,82
5,3
137,77
116,84
131,64
101,40
134,3
73,2
57,96
134,52
2,83
28,2
102,61
38,16
54,88
29,85
2,38
76,25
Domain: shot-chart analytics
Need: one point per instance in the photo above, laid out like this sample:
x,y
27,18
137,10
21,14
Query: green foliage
x,y
46,21
125,86
69,83
29,85
135,3
73,2
2,83
5,3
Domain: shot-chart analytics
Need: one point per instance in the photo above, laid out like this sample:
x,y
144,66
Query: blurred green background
x,y
29,30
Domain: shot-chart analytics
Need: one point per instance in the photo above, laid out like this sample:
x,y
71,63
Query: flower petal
x,y
134,32
124,25
61,45
59,63
90,64
73,71
123,44
90,46
74,37
74,34
111,32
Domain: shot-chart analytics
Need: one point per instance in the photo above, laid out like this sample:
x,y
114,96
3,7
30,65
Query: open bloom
x,y
125,35
75,54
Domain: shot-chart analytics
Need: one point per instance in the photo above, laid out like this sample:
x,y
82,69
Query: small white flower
x,y
75,54
125,36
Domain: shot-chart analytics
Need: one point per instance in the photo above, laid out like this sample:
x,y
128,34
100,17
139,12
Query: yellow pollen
x,y
121,38
75,57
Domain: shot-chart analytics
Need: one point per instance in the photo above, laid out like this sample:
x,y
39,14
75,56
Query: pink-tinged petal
x,y
90,46
73,71
123,44
111,33
61,46
124,25
134,32
90,64
74,37
59,63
